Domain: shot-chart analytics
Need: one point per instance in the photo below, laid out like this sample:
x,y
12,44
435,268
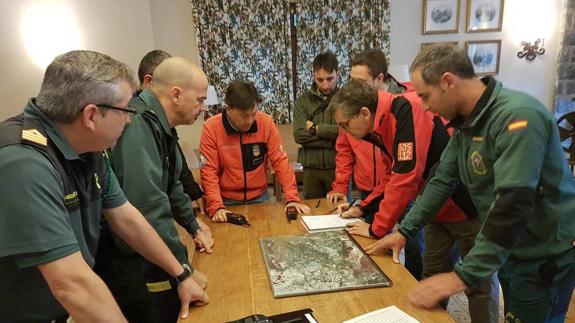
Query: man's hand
x,y
300,208
334,197
348,212
358,228
200,279
308,124
204,227
220,216
190,291
203,241
394,241
436,288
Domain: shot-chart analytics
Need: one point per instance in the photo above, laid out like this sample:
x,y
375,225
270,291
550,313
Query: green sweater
x,y
148,171
509,157
318,150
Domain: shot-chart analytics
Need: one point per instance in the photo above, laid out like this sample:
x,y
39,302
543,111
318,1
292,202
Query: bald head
x,y
181,87
177,71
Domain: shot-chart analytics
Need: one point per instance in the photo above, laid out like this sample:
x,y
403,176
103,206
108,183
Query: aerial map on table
x,y
317,263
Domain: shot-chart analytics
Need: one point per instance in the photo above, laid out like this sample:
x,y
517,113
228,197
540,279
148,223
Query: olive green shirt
x,y
318,150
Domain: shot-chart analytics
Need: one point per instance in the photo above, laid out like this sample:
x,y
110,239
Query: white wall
x,y
173,28
125,30
121,29
523,20
173,31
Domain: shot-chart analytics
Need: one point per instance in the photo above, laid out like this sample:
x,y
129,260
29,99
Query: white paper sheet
x,y
390,314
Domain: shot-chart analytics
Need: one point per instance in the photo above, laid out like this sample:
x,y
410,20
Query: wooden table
x,y
239,285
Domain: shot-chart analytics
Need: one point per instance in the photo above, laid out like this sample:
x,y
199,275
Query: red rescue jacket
x,y
411,141
360,159
363,160
233,164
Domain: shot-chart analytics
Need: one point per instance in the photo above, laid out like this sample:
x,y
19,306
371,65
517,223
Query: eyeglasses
x,y
345,125
126,109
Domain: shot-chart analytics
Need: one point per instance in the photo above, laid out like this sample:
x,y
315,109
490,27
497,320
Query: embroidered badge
x,y
202,160
516,125
477,164
477,139
256,150
71,196
405,151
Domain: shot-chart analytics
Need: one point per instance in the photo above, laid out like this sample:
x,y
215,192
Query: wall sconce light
x,y
531,51
211,99
212,96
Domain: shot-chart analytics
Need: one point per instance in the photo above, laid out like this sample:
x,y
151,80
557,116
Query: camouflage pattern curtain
x,y
565,87
250,40
345,27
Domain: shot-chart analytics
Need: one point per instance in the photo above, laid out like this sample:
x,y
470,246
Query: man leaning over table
x,y
506,151
235,148
148,164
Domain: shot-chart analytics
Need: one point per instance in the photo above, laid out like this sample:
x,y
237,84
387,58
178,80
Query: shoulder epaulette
x,y
34,136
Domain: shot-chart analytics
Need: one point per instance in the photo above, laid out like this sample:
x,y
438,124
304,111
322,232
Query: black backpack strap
x,y
11,131
21,130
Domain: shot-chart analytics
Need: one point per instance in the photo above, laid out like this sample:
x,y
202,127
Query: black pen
x,y
317,204
352,204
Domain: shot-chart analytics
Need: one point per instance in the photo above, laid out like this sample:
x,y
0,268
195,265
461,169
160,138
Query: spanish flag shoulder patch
x,y
517,125
34,136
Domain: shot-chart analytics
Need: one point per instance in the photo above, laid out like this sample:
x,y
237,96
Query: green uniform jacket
x,y
509,157
318,149
148,170
36,227
186,177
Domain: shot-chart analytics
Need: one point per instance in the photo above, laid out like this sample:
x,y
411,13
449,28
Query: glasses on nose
x,y
345,125
126,109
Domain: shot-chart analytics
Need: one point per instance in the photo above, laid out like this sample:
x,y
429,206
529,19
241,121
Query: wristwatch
x,y
312,129
187,272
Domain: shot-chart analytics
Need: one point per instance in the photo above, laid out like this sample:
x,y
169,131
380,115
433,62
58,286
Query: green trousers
x,y
538,290
317,182
440,238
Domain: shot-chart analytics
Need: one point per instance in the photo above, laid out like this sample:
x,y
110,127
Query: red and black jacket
x,y
411,140
233,164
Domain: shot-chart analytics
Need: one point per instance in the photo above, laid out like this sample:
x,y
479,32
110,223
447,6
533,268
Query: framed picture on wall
x,y
440,17
484,54
484,15
423,45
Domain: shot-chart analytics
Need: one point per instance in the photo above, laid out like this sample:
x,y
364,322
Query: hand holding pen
x,y
342,207
349,210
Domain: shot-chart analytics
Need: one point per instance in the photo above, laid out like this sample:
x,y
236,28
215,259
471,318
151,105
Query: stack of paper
x,y
390,314
314,223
